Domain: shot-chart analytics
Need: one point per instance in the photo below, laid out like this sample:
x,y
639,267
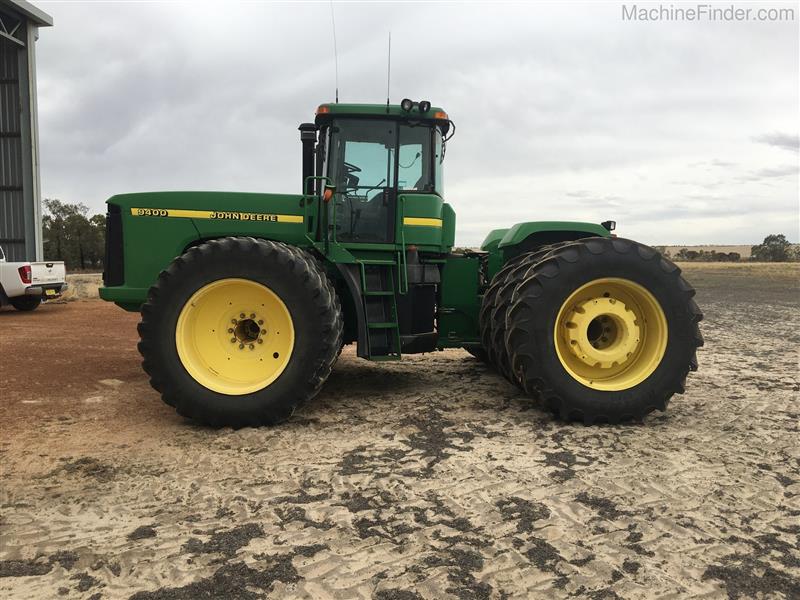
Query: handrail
x,y
307,200
403,289
311,197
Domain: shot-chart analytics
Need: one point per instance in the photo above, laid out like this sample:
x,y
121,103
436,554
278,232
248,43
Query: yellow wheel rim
x,y
611,334
234,336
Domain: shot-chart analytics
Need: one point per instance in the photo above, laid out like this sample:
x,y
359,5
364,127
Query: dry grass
x,y
82,286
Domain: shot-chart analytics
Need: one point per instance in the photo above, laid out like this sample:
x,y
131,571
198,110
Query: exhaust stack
x,y
308,136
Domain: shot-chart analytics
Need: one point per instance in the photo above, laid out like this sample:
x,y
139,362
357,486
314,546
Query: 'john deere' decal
x,y
215,214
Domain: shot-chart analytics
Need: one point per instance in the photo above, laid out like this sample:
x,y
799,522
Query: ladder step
x,y
378,297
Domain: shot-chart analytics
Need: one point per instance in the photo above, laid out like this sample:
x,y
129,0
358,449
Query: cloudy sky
x,y
683,132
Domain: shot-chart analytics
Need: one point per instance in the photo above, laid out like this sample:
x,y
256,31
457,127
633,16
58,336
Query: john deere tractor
x,y
247,299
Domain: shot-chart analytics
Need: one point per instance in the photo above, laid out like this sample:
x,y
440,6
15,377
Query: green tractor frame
x,y
247,299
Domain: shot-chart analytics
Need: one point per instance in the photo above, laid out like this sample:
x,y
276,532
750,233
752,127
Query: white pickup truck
x,y
24,285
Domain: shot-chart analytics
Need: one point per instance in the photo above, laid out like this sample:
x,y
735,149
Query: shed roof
x,y
29,11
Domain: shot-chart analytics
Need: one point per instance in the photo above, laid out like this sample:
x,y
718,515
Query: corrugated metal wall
x,y
12,206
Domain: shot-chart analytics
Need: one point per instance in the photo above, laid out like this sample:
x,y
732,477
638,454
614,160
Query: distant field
x,y
744,251
773,283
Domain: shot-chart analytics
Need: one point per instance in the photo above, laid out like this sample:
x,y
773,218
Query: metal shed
x,y
20,198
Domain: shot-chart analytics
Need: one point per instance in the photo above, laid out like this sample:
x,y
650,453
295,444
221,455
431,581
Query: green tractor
x,y
247,299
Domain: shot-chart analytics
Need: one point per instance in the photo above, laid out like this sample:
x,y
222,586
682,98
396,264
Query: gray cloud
x,y
771,173
562,112
787,141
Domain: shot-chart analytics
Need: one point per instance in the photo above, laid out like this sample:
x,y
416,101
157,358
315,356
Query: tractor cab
x,y
380,160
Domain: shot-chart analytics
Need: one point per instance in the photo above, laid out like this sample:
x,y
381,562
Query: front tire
x,y
240,332
603,330
26,303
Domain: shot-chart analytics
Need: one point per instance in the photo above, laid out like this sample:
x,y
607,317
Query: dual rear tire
x,y
600,329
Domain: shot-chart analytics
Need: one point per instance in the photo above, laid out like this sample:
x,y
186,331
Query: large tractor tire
x,y
240,331
488,304
26,303
496,302
603,330
502,303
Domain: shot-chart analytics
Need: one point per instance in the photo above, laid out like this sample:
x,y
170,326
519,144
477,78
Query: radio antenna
x,y
389,72
335,53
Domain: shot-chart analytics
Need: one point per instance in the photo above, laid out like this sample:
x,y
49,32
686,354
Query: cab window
x,y
363,160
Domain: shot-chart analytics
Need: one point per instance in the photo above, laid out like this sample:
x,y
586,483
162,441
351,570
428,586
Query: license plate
x,y
50,292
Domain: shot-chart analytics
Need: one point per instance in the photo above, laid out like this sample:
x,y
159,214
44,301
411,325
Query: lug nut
x,y
261,321
230,330
241,346
233,340
263,332
234,321
252,347
252,315
241,315
260,341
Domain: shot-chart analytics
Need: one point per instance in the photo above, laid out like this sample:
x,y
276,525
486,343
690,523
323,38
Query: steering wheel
x,y
351,168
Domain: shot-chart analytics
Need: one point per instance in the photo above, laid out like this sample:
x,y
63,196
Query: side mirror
x,y
609,225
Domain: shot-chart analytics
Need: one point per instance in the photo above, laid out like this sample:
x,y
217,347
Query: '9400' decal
x,y
215,214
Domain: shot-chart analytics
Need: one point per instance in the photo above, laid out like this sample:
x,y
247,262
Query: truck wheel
x,y
26,303
240,331
603,330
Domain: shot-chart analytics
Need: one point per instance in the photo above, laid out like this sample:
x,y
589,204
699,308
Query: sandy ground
x,y
429,478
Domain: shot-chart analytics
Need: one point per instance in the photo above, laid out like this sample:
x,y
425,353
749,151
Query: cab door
x,y
363,168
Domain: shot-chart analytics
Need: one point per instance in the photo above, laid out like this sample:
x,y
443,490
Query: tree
x,y
72,237
774,248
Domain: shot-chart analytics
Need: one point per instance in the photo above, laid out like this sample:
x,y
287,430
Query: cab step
x,y
380,308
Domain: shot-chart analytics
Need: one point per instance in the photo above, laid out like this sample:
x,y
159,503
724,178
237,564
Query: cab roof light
x,y
407,104
440,114
323,109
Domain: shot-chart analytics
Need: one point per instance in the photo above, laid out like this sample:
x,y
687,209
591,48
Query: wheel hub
x,y
235,336
602,332
248,331
610,334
